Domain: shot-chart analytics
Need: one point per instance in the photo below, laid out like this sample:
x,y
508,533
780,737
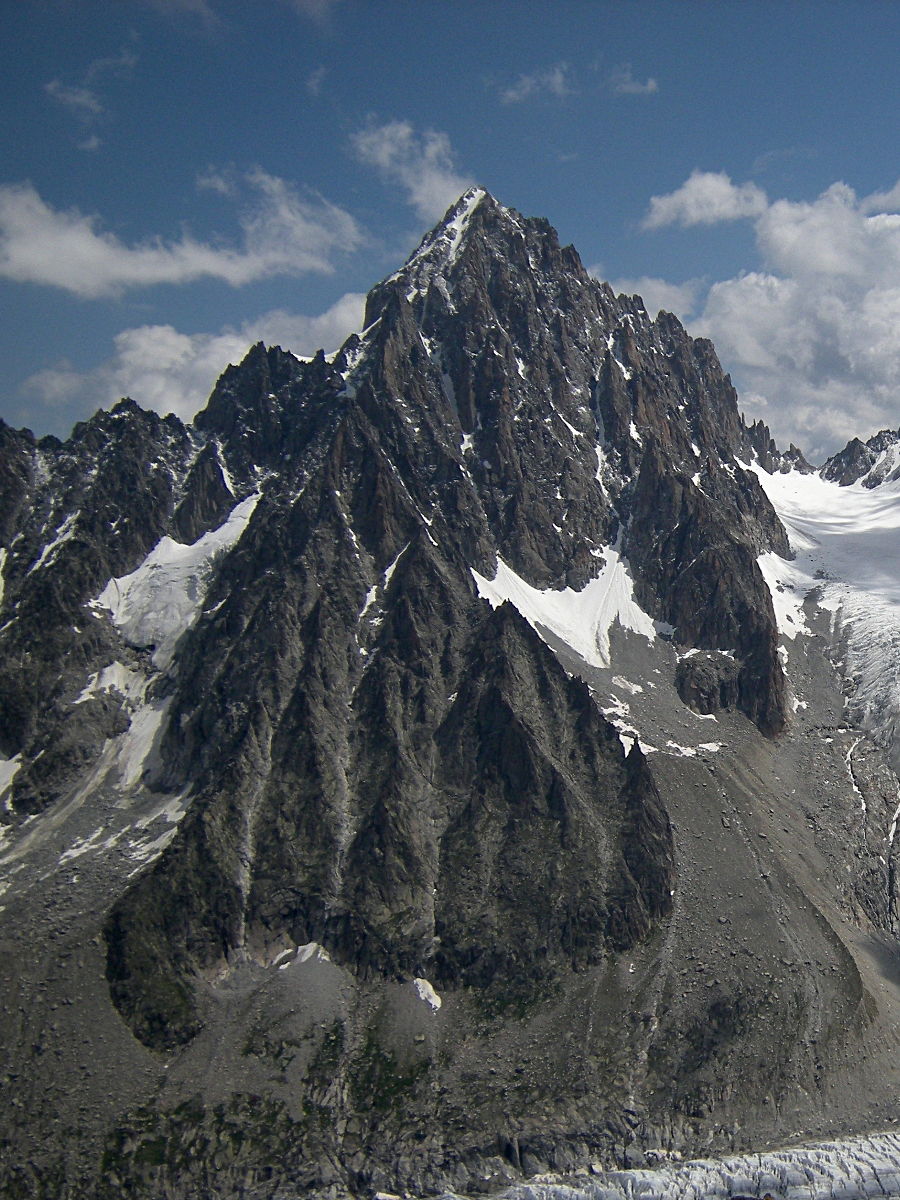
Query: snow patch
x,y
684,751
789,585
427,993
139,740
580,619
8,769
846,541
312,950
114,678
226,474
157,603
626,685
63,534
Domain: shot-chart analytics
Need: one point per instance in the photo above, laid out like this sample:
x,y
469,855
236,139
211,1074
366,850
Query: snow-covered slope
x,y
846,542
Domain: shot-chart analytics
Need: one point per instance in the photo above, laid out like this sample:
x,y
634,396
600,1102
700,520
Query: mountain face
x,y
415,776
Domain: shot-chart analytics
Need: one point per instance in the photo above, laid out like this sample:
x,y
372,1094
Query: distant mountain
x,y
440,764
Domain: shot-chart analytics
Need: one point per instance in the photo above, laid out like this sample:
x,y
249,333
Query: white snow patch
x,y
86,845
466,444
685,751
312,950
427,993
789,586
116,677
848,759
846,541
223,467
63,534
601,469
2,566
576,433
172,810
615,708
892,832
158,602
439,250
139,739
626,685
580,619
389,571
8,769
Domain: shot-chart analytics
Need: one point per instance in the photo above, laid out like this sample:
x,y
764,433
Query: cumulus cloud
x,y
169,371
704,199
552,81
623,83
422,164
282,234
812,337
678,298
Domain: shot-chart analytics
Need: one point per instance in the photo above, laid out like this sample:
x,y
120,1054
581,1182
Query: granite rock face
x,y
872,462
326,657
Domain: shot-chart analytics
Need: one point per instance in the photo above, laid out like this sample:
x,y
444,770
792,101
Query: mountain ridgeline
x,y
417,909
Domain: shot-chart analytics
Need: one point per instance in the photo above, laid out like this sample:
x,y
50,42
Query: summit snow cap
x,y
438,250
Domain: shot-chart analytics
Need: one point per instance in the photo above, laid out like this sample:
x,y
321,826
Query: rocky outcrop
x,y
871,463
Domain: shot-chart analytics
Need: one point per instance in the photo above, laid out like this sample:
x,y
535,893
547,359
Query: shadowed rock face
x,y
378,767
872,462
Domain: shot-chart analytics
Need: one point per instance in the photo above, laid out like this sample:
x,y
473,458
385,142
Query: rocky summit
x,y
438,764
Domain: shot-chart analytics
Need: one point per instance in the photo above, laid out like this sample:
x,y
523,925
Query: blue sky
x,y
179,178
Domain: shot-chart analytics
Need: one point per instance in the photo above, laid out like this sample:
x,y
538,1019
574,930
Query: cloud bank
x,y
282,234
169,371
812,338
422,165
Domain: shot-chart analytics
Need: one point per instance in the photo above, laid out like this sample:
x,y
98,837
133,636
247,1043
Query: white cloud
x,y
814,335
81,100
169,371
315,79
119,64
678,298
282,234
623,83
552,81
422,164
704,199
